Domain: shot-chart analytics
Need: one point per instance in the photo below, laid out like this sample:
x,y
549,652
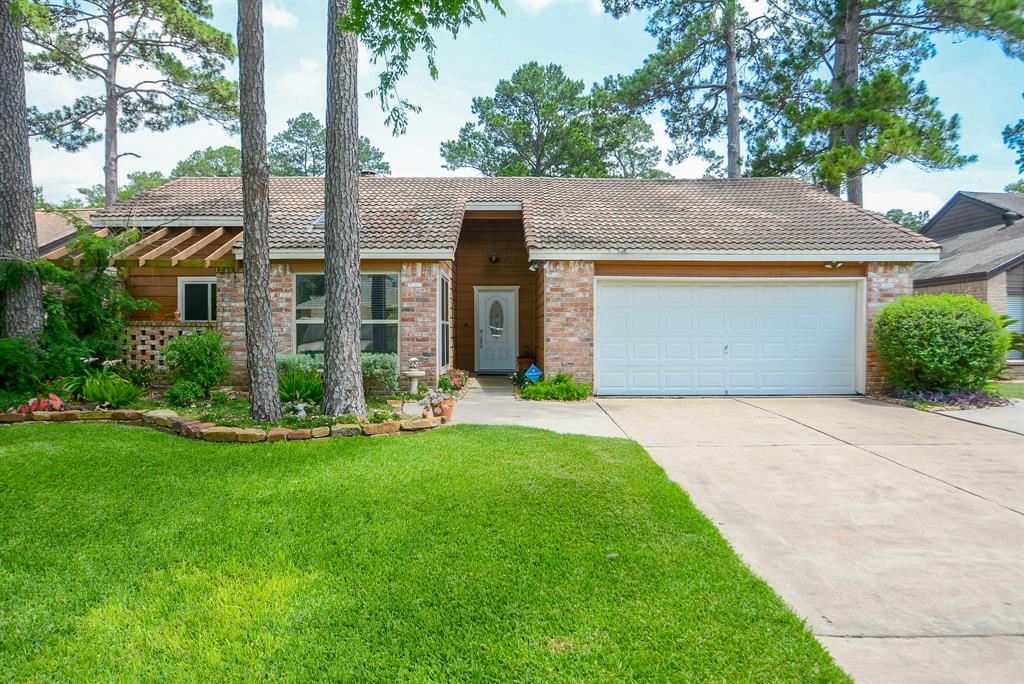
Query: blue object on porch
x,y
533,374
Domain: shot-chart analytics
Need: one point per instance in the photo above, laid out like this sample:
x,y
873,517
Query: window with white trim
x,y
197,298
379,311
444,333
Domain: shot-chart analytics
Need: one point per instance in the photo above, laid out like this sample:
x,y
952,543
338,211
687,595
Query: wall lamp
x,y
534,265
833,264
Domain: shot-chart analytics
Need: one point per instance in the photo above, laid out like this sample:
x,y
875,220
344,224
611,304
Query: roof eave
x,y
166,221
794,255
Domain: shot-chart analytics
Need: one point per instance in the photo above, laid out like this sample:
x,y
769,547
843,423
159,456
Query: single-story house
x,y
54,229
641,287
982,238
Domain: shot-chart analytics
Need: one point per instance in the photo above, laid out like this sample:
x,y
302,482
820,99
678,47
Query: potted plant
x,y
437,403
525,358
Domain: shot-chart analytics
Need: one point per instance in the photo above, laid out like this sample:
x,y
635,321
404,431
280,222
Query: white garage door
x,y
715,337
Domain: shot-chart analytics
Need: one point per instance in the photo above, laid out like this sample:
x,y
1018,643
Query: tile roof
x,y
978,253
558,213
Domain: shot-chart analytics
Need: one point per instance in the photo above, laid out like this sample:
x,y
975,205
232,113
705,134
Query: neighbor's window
x,y
379,311
197,298
445,332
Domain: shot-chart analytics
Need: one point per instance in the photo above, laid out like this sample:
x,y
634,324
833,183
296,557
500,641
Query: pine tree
x,y
181,55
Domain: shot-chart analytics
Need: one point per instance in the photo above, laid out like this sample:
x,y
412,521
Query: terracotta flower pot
x,y
447,407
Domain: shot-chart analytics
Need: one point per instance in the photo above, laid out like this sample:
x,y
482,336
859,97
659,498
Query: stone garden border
x,y
170,422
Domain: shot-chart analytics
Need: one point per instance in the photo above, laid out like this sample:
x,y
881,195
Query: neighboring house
x,y
982,237
657,287
53,229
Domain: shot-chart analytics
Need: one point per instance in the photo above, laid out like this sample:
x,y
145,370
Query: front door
x,y
496,317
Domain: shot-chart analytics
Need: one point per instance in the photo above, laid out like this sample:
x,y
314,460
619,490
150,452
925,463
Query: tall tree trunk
x,y
835,136
851,79
343,380
110,157
264,401
732,92
22,304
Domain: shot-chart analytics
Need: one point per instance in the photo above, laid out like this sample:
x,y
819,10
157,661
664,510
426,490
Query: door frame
x,y
860,315
477,330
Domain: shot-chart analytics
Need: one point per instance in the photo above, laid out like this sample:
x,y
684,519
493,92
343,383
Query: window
x,y
197,298
445,323
379,307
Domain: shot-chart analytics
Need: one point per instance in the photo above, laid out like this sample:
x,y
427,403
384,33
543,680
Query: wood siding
x,y
961,215
724,269
478,238
1015,280
160,285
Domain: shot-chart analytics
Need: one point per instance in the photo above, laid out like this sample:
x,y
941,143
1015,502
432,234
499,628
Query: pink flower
x,y
56,402
43,405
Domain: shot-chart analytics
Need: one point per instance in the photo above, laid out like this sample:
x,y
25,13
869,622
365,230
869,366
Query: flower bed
x,y
946,401
169,421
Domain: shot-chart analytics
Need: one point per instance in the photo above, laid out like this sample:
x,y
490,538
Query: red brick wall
x,y
417,318
231,314
886,282
568,319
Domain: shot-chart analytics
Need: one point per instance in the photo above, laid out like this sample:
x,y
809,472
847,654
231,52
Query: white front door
x,y
496,317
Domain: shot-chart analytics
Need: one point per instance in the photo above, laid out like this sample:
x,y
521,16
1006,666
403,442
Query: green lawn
x,y
1009,389
468,553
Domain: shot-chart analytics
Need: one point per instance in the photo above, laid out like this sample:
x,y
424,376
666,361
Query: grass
x,y
467,553
1014,390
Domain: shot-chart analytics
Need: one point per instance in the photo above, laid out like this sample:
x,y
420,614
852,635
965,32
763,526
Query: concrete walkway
x,y
897,534
1003,417
491,401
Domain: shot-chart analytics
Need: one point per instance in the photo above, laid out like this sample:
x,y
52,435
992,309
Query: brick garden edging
x,y
170,422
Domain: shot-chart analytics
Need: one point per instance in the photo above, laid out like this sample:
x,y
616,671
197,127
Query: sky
x,y
972,78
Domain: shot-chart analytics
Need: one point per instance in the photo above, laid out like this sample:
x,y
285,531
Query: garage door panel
x,y
735,338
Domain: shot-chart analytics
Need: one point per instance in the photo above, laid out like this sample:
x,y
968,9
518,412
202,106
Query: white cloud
x,y
882,199
595,6
277,16
534,6
308,80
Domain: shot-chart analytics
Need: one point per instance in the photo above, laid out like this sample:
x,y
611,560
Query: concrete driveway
x,y
897,534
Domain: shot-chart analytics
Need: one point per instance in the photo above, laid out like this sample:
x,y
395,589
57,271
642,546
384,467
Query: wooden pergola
x,y
170,247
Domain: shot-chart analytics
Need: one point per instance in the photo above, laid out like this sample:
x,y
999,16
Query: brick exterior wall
x,y
976,288
417,318
997,291
568,319
886,282
231,314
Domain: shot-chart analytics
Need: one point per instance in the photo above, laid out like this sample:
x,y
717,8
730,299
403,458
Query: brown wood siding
x,y
161,286
478,238
963,215
1015,280
724,269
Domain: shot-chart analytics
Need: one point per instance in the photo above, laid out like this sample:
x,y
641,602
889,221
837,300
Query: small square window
x,y
197,299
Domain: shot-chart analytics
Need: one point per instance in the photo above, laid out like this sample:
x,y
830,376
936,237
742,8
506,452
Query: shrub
x,y
940,343
560,388
19,365
299,362
184,393
383,368
453,381
301,386
107,388
140,375
199,357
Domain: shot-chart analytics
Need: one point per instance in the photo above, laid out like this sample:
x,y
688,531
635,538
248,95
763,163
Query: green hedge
x,y
559,388
940,343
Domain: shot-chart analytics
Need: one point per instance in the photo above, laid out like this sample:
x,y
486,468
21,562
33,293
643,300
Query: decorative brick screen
x,y
147,339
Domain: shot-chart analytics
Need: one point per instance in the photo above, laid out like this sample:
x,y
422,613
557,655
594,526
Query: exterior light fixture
x,y
534,266
833,264
493,257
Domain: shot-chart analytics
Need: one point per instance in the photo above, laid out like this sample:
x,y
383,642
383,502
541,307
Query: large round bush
x,y
941,343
